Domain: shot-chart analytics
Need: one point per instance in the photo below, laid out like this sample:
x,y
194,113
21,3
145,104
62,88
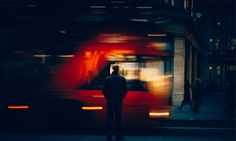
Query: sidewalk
x,y
102,138
212,108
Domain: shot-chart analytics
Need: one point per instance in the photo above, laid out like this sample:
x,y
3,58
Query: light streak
x,y
92,108
18,107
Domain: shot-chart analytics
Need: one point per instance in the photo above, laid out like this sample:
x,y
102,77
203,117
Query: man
x,y
187,98
197,92
114,90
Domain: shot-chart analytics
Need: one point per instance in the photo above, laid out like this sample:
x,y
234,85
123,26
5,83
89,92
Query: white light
x,y
139,20
41,55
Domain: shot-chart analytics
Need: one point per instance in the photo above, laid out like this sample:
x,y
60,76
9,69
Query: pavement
x,y
212,109
210,124
102,138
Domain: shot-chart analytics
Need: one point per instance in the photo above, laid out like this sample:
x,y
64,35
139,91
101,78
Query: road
x,y
102,138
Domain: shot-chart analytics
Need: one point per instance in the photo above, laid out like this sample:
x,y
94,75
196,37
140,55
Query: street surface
x,y
102,138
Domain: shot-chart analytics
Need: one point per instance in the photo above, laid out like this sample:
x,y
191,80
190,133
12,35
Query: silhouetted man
x,y
114,90
197,92
187,98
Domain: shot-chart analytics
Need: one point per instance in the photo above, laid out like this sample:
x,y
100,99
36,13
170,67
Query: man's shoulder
x,y
114,77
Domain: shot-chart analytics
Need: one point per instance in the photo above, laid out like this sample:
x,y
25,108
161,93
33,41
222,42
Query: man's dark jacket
x,y
114,88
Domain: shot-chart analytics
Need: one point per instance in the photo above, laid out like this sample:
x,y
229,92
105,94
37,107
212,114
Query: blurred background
x,y
55,55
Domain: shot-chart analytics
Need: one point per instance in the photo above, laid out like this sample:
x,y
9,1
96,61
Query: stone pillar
x,y
178,70
188,62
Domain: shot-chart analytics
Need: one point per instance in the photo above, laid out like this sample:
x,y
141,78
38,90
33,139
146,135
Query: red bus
x,y
144,62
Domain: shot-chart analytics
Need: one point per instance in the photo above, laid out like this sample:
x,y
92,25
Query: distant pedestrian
x,y
230,97
114,90
196,96
187,97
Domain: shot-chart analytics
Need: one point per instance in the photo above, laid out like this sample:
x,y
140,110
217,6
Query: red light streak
x,y
18,107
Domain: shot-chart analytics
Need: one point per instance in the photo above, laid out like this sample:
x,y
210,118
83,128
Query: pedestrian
x,y
114,90
230,97
187,98
197,91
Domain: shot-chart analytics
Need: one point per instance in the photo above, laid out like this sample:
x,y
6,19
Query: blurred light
x,y
139,20
98,96
18,107
98,6
199,15
88,54
218,23
144,7
116,57
157,45
210,68
156,35
115,38
92,108
211,40
41,55
62,31
163,21
66,56
158,114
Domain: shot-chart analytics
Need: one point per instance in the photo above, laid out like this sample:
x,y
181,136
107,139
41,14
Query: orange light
x,y
157,45
18,107
115,38
98,96
158,114
92,108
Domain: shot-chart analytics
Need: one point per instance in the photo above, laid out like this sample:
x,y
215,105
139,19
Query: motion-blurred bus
x,y
144,62
64,90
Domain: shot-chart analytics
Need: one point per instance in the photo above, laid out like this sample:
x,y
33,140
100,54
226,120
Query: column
x,y
178,71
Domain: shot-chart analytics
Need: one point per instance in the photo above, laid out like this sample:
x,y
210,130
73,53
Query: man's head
x,y
115,69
